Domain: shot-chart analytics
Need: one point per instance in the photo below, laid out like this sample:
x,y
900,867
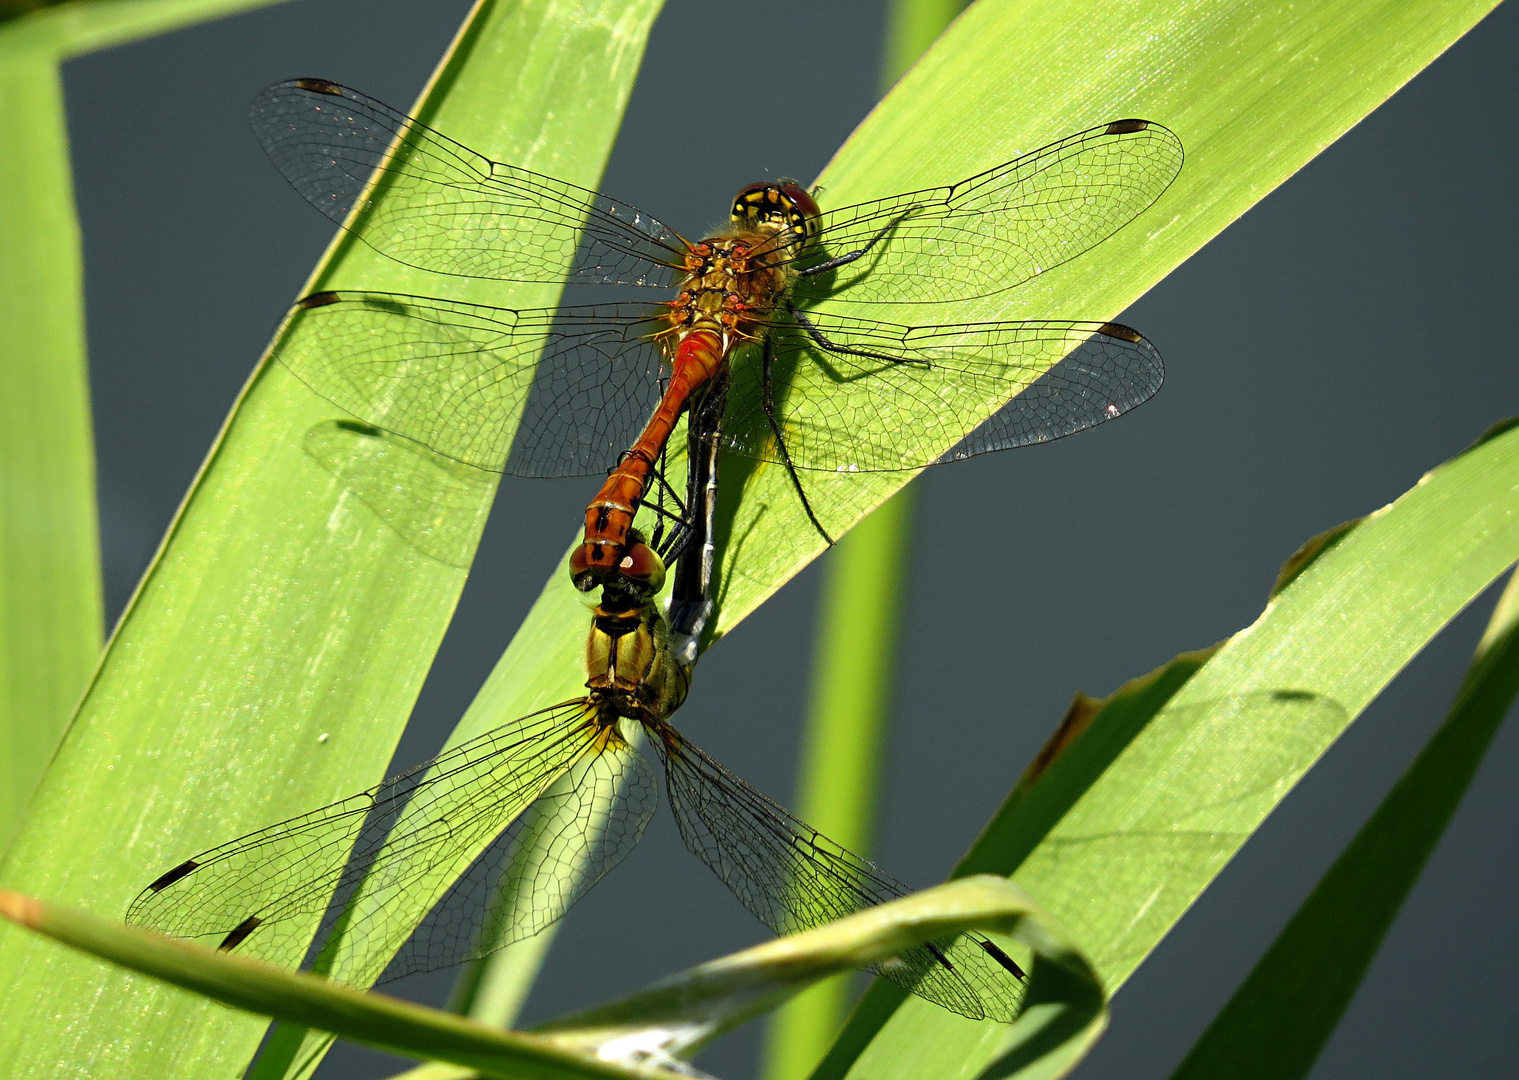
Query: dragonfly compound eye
x,y
767,207
639,563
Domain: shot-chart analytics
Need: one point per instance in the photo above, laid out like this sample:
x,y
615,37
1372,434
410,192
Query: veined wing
x,y
439,206
854,395
536,392
268,893
434,503
794,878
996,230
584,824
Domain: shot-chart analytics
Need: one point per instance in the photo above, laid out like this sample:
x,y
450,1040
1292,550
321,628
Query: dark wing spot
x,y
239,933
359,428
1001,957
320,86
1118,330
182,870
1126,127
318,299
938,954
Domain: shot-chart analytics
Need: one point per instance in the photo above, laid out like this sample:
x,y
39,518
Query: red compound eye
x,y
641,564
799,197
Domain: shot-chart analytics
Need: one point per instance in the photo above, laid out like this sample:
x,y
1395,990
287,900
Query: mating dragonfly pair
x,y
751,354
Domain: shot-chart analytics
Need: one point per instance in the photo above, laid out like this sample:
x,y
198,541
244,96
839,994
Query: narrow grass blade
x,y
681,1014
1278,1021
50,593
657,1026
844,739
275,648
375,1020
1177,771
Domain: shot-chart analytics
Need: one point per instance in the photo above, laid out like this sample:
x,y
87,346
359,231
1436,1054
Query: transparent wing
x,y
996,230
854,395
434,503
537,392
440,206
794,878
583,825
268,893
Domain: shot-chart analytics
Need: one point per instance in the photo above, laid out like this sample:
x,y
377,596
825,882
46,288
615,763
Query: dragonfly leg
x,y
849,257
672,528
822,341
780,441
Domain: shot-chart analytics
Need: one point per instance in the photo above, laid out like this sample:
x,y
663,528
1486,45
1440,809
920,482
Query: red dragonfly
x,y
579,389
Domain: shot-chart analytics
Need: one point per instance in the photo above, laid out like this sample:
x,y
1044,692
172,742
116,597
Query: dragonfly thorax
x,y
632,666
732,284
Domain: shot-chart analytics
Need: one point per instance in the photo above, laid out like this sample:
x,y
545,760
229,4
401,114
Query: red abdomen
x,y
699,356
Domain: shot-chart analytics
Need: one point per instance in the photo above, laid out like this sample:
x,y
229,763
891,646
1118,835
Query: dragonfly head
x,y
636,571
783,206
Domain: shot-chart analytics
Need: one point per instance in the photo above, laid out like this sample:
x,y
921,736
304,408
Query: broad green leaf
x,y
1253,94
1279,1019
50,595
277,643
657,1026
1176,772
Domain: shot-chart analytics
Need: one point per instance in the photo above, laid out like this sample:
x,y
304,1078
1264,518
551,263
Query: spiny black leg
x,y
844,260
823,342
780,441
672,529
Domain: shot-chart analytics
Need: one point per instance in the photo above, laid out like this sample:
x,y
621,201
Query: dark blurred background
x,y
1347,334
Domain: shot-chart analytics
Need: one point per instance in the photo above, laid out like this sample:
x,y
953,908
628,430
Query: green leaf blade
x,y
370,1019
1162,816
1277,1022
654,1027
